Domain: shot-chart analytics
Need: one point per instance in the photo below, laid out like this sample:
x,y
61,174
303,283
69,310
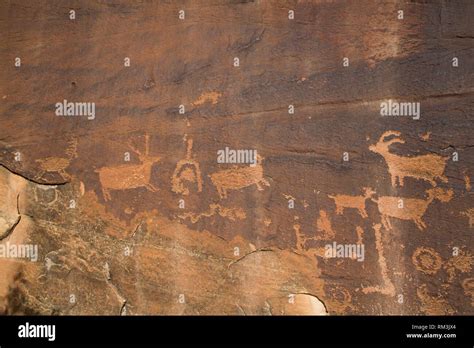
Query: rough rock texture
x,y
172,231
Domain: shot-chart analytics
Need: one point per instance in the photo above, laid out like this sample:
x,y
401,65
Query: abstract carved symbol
x,y
427,260
387,288
412,209
186,170
58,164
238,178
425,167
355,202
128,176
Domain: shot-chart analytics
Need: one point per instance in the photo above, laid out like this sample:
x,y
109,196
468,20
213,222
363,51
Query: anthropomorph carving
x,y
186,170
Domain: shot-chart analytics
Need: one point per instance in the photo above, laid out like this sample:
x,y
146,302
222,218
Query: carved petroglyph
x,y
462,263
211,97
232,214
387,288
427,260
360,234
129,176
433,304
239,177
467,181
425,167
339,299
468,287
470,215
426,136
430,262
186,170
46,194
355,202
409,208
58,164
323,225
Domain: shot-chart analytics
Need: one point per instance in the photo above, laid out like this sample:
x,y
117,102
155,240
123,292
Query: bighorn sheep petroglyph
x,y
424,167
239,177
355,202
409,208
127,176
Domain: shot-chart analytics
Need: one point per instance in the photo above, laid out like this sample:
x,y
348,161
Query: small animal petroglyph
x,y
425,167
239,177
207,97
186,170
128,176
58,164
232,214
355,202
409,208
387,288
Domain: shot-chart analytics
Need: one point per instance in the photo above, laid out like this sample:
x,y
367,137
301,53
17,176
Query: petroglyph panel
x,y
361,125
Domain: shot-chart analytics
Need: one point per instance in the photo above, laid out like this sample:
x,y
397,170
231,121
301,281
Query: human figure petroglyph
x,y
355,202
186,170
128,176
58,164
409,208
387,288
470,215
239,177
424,167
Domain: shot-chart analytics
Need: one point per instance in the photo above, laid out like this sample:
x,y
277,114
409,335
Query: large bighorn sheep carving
x,y
425,167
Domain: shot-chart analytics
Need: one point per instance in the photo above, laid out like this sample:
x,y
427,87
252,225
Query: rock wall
x,y
352,200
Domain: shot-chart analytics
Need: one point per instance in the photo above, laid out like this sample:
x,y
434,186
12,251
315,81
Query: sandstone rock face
x,y
131,210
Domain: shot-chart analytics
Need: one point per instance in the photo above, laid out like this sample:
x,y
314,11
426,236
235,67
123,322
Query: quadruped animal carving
x,y
409,208
58,164
239,177
424,167
356,202
128,176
